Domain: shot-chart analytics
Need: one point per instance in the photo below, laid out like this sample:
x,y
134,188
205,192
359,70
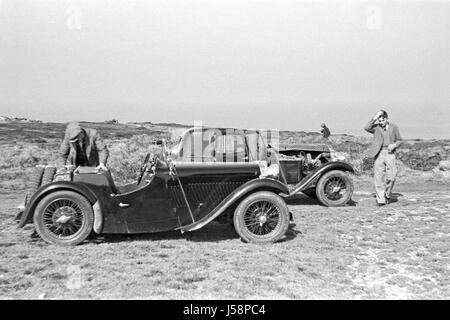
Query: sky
x,y
265,64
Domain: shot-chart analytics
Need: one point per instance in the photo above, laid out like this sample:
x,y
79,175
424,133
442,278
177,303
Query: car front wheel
x,y
64,218
334,188
261,217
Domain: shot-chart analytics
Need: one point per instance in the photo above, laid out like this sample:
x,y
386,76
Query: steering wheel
x,y
144,166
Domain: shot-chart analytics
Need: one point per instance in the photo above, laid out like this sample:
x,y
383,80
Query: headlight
x,y
338,156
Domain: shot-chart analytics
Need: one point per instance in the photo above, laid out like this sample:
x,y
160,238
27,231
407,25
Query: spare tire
x,y
33,184
49,174
35,180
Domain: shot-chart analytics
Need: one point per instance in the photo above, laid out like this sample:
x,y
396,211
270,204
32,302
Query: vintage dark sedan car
x,y
211,174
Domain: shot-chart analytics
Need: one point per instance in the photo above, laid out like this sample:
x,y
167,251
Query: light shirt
x,y
387,139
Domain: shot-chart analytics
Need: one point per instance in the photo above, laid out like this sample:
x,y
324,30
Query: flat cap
x,y
73,130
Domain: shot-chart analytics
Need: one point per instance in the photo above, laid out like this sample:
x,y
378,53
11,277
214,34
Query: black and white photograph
x,y
236,150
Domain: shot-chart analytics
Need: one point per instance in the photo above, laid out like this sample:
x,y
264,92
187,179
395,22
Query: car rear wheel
x,y
261,217
64,218
334,188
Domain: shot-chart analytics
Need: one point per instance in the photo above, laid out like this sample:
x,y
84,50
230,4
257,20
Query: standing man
x,y
82,147
386,139
325,131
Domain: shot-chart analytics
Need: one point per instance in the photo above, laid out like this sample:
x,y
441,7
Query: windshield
x,y
214,145
256,147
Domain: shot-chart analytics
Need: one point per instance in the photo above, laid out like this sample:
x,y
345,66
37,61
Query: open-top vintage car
x,y
209,175
313,169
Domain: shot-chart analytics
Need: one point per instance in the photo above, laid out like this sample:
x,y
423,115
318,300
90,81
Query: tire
x,y
49,174
33,184
35,180
64,204
310,193
334,188
249,214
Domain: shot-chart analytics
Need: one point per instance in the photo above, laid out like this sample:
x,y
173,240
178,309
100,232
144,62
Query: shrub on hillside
x,y
24,155
367,164
419,161
423,156
127,156
16,161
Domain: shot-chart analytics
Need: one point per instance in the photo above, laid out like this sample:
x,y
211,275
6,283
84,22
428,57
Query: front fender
x,y
250,186
82,189
310,180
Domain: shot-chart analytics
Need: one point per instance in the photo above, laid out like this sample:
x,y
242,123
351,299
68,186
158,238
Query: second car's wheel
x,y
261,217
334,188
64,218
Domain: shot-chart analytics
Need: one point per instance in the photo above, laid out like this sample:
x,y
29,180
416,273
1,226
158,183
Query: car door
x,y
200,187
212,164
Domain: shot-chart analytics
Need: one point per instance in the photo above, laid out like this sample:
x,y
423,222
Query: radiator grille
x,y
292,170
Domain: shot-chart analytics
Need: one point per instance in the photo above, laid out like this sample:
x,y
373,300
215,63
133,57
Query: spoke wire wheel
x,y
335,188
64,217
261,217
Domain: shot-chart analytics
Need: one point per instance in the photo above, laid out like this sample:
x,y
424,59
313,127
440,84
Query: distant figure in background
x,y
82,147
386,139
325,131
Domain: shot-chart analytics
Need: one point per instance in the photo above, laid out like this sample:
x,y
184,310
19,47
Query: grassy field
x,y
355,252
